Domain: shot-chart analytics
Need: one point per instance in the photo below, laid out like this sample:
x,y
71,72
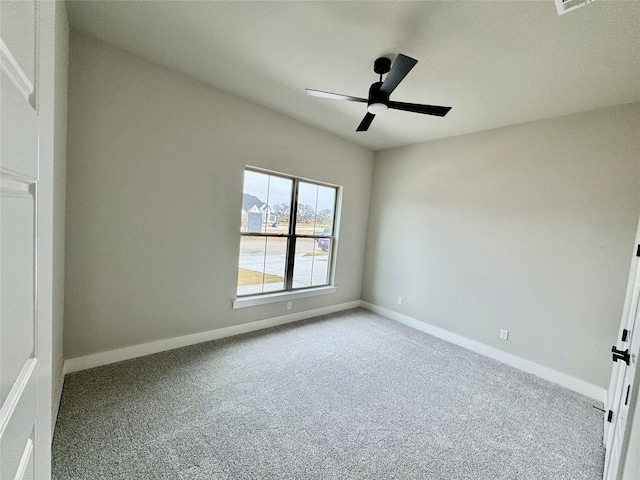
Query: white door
x,y
19,363
625,357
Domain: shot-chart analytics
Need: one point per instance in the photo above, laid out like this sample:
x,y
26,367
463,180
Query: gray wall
x,y
155,169
528,228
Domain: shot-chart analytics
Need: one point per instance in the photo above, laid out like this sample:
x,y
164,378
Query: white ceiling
x,y
496,63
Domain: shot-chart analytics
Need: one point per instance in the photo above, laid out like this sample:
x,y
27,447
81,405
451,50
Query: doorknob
x,y
620,355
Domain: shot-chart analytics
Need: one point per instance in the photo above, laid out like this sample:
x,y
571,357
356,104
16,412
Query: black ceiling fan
x,y
378,101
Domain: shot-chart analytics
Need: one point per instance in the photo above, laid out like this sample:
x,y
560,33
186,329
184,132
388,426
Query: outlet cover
x,y
399,300
288,305
504,334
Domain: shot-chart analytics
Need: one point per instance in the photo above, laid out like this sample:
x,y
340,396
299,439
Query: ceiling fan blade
x,y
417,108
334,96
366,121
401,66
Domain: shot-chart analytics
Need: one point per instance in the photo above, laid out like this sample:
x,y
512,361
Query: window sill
x,y
263,299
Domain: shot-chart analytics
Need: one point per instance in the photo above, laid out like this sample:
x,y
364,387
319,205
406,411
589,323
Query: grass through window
x,y
253,277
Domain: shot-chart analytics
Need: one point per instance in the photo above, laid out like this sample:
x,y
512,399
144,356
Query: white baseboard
x,y
58,384
112,356
567,381
127,353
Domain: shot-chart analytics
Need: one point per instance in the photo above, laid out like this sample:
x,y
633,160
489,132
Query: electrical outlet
x,y
288,305
399,300
504,334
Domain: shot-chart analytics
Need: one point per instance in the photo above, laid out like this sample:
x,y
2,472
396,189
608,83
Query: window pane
x,y
256,187
326,205
311,266
275,264
307,199
262,265
315,209
279,202
266,203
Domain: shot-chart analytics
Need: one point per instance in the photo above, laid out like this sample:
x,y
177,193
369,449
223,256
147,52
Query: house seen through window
x,y
287,233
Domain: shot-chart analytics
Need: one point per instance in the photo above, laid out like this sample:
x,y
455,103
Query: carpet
x,y
350,395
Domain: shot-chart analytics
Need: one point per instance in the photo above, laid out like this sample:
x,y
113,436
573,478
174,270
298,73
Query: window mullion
x,y
291,245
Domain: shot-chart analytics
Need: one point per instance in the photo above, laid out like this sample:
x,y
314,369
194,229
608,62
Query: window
x,y
287,233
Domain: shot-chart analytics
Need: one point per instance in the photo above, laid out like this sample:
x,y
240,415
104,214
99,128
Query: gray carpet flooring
x,y
345,396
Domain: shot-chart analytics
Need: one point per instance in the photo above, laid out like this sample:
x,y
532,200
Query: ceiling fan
x,y
379,92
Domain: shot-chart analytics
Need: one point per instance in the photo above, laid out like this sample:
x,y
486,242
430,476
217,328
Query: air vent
x,y
565,6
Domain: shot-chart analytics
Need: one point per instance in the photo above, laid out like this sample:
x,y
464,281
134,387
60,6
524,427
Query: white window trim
x,y
265,298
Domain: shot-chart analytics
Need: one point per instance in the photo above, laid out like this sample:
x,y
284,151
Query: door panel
x,y
26,469
18,28
20,428
18,151
17,329
19,365
623,372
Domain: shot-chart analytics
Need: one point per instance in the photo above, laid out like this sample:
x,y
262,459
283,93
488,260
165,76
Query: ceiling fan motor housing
x,y
378,100
376,96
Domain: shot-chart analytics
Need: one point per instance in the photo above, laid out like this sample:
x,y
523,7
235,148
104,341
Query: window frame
x,y
289,291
